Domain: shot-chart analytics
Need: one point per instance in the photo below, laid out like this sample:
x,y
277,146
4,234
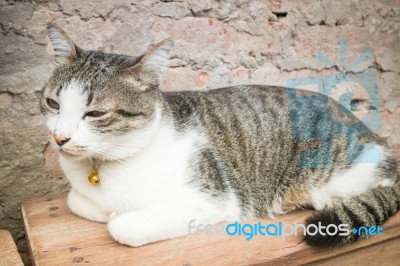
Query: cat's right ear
x,y
64,49
150,66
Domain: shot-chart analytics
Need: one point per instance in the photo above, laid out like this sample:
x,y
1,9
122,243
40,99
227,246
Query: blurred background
x,y
218,44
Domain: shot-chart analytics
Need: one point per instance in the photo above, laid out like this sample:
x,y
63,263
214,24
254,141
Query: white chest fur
x,y
159,173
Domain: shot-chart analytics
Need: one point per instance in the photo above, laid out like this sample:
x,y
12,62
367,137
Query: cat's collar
x,y
94,177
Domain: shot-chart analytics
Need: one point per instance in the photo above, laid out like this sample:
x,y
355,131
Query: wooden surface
x,y
57,237
9,255
385,253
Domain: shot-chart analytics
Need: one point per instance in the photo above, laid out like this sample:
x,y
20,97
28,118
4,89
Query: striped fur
x,y
369,209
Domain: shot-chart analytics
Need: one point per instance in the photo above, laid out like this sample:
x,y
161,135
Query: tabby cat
x,y
158,160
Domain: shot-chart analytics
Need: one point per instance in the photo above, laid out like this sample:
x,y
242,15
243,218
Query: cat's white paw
x,y
128,230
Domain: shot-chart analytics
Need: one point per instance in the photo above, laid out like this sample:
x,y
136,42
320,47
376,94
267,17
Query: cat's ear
x,y
157,58
64,49
150,66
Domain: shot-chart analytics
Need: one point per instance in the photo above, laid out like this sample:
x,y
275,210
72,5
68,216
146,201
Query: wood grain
x,y
9,255
58,237
386,253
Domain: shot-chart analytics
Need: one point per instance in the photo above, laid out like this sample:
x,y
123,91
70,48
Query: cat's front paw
x,y
128,230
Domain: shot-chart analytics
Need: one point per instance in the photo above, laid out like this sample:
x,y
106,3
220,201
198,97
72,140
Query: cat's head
x,y
100,105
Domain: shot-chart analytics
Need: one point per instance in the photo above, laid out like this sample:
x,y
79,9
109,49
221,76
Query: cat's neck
x,y
166,155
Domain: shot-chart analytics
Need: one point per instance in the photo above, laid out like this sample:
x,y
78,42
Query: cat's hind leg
x,y
365,195
357,179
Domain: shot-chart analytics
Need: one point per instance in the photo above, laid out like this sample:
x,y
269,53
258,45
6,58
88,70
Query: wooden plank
x,y
386,253
57,237
9,255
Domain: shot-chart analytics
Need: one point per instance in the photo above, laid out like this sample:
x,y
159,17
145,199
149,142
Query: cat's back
x,y
245,105
246,125
253,126
265,110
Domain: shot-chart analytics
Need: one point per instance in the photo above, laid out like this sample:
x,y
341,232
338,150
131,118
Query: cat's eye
x,y
95,113
129,114
53,103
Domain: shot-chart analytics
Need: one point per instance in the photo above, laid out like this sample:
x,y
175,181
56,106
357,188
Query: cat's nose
x,y
60,140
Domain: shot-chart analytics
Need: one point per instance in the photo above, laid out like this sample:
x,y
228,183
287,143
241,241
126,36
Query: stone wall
x,y
218,43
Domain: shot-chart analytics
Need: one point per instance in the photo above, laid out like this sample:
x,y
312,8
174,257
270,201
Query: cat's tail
x,y
361,212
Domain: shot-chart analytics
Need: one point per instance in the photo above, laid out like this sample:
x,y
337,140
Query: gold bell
x,y
94,177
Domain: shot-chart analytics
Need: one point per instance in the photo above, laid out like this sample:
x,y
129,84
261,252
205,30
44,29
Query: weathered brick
x,y
218,44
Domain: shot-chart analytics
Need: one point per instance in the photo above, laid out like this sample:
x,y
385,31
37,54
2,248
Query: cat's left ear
x,y
149,69
63,47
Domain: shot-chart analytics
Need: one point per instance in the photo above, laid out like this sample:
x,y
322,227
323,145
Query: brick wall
x,y
218,43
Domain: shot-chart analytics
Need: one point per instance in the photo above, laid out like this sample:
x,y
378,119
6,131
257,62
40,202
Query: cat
x,y
162,159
